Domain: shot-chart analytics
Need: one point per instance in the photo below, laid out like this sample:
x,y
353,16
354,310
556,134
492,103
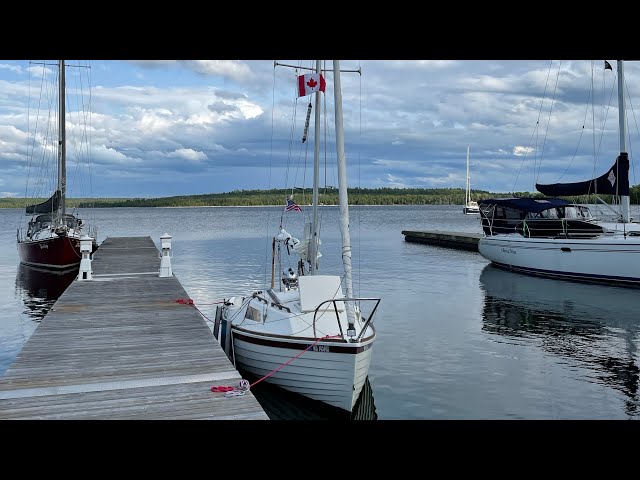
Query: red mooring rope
x,y
244,385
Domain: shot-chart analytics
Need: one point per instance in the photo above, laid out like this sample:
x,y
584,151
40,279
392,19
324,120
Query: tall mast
x,y
313,245
468,194
624,200
342,190
62,144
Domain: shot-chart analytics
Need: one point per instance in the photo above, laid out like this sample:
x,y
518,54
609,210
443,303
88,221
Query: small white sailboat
x,y
310,334
470,206
554,238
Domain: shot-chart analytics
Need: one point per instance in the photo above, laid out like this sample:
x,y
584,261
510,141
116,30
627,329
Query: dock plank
x,y
121,346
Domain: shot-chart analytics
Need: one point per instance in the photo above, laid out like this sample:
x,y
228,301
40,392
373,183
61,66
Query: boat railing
x,y
560,227
354,300
92,231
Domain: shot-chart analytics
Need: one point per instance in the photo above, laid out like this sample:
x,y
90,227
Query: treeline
x,y
248,198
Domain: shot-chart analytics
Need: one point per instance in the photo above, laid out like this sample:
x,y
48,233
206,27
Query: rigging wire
x,y
267,223
360,210
535,130
546,132
633,113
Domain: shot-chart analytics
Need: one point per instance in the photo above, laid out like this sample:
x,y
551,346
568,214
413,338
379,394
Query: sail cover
x,y
51,205
614,182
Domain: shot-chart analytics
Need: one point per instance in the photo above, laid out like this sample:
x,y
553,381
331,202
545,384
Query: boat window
x,y
585,212
253,314
511,214
571,212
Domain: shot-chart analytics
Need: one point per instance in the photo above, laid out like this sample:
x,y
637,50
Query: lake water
x,y
457,339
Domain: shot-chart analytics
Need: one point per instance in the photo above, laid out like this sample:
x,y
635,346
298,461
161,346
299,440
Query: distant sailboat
x,y
470,206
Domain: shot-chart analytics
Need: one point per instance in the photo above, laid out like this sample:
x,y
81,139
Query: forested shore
x,y
251,198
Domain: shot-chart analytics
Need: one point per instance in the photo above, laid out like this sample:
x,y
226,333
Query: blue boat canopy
x,y
525,204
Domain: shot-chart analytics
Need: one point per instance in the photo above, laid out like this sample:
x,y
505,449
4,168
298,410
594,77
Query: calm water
x,y
457,339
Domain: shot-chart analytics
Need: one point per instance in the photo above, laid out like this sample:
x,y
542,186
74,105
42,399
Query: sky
x,y
158,128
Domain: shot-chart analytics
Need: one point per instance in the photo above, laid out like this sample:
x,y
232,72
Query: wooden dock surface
x,y
119,346
459,240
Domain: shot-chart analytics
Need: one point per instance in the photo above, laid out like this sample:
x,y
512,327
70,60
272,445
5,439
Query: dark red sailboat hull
x,y
54,253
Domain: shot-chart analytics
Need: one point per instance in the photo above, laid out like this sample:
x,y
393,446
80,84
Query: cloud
x,y
407,122
189,155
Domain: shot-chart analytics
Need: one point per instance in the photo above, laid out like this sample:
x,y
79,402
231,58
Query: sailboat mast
x,y
313,244
468,194
342,189
62,144
624,200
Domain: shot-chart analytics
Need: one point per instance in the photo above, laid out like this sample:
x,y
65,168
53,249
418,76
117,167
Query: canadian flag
x,y
310,83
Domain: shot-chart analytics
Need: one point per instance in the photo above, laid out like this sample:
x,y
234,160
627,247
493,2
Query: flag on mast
x,y
291,205
310,83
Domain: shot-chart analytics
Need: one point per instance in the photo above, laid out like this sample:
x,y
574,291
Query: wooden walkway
x,y
459,240
119,346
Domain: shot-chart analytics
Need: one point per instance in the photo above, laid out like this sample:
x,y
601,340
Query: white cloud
x,y
407,122
189,154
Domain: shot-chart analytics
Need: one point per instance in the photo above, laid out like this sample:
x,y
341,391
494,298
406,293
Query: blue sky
x,y
170,127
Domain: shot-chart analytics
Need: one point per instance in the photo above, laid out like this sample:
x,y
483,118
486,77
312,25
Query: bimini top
x,y
525,204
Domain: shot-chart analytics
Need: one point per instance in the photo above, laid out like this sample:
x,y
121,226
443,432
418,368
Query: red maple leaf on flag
x,y
308,84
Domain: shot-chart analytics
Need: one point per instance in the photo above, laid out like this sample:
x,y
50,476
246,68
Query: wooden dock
x,y
120,346
459,240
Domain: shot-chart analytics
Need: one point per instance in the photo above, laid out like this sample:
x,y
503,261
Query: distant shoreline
x,y
277,198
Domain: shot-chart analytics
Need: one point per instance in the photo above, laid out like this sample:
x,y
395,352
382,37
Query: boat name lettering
x,y
508,250
320,348
43,245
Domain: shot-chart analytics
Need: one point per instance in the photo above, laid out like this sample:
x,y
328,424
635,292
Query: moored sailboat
x,y
52,236
550,237
311,335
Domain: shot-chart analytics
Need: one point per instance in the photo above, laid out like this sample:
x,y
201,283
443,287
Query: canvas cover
x,y
614,182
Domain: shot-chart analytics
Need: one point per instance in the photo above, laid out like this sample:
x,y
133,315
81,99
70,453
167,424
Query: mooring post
x,y
165,261
86,245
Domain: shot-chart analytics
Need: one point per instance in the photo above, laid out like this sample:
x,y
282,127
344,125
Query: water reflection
x,y
280,404
41,288
594,325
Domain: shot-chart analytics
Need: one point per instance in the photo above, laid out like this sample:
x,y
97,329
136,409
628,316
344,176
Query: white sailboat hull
x,y
333,377
273,337
471,209
611,259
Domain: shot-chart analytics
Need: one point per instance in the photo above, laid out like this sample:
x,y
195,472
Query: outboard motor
x,y
290,279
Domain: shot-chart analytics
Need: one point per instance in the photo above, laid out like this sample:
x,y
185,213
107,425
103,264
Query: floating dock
x,y
458,240
121,345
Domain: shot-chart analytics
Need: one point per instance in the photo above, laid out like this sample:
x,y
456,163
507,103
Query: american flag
x,y
292,206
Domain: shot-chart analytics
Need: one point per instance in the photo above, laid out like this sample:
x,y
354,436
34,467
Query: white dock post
x,y
86,243
165,261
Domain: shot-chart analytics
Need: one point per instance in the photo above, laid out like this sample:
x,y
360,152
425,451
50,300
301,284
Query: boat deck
x,y
120,346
